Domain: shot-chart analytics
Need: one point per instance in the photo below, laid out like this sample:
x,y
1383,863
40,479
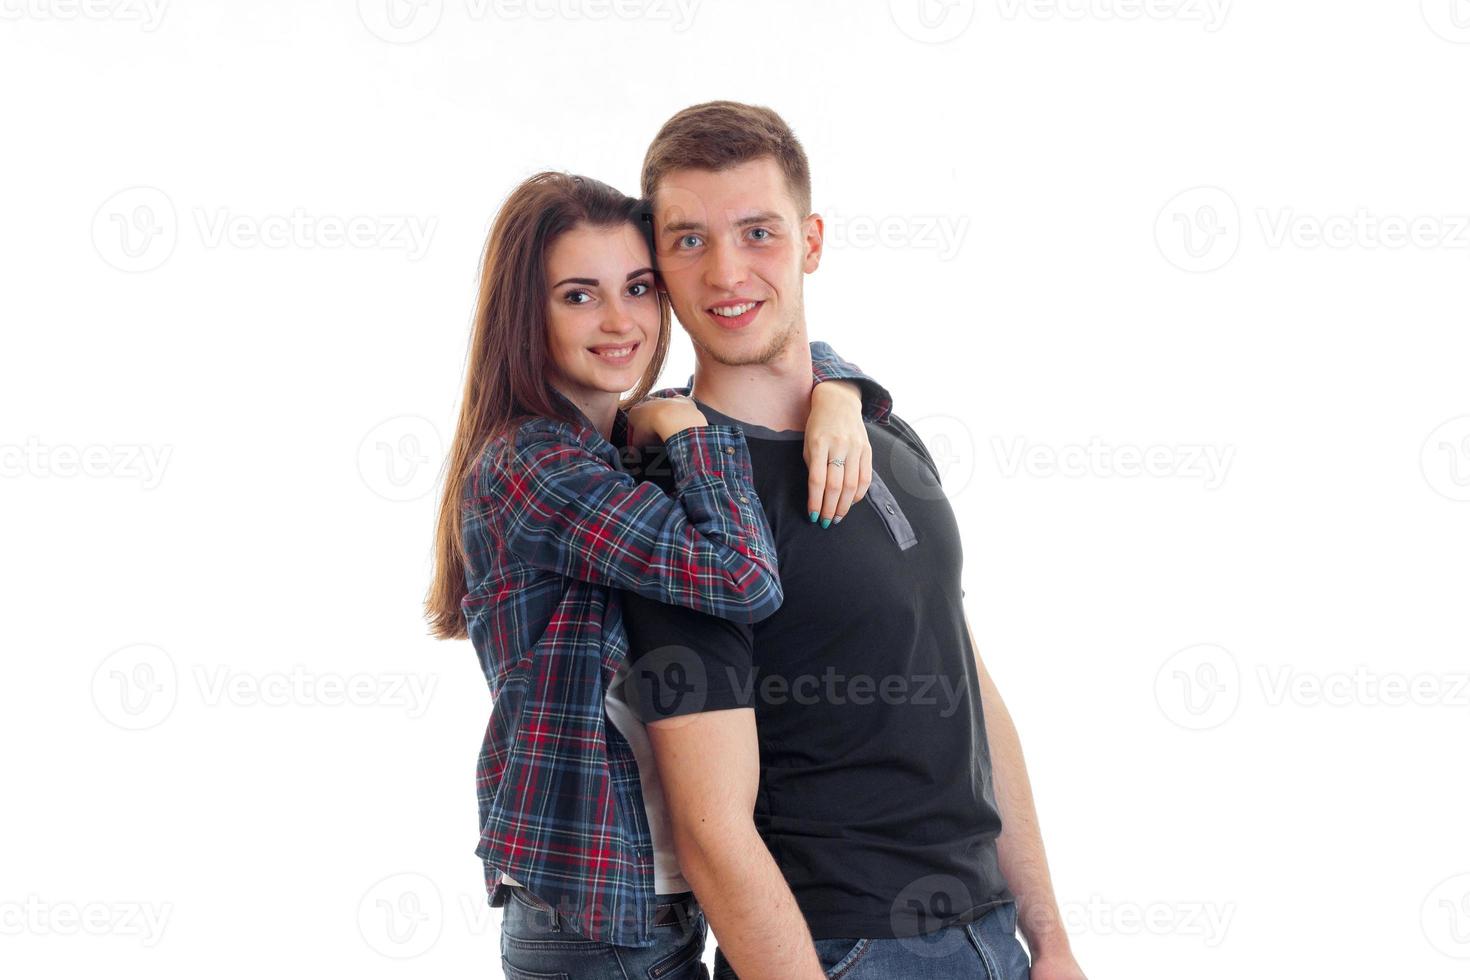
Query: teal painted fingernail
x,y
826,523
814,517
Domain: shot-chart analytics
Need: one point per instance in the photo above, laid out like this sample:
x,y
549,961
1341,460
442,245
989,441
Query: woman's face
x,y
604,316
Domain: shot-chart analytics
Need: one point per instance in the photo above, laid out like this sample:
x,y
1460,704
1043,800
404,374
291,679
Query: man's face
x,y
732,251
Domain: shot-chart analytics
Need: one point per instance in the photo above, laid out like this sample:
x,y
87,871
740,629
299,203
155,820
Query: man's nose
x,y
726,266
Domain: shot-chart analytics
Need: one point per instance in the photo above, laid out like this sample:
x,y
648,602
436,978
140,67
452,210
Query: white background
x,y
1231,231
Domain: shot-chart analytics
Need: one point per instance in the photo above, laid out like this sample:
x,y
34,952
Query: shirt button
x,y
729,450
890,507
744,500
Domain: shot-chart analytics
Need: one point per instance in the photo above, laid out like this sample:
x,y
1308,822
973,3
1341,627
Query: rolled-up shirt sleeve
x,y
708,546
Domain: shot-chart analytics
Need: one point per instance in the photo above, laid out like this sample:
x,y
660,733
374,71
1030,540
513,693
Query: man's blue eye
x,y
763,232
689,241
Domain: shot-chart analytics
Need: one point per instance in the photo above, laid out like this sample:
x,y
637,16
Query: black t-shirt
x,y
875,793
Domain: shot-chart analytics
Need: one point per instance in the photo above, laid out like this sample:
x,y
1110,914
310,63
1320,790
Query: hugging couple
x,y
733,683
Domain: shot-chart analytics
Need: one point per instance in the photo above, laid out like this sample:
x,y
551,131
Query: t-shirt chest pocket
x,y
892,515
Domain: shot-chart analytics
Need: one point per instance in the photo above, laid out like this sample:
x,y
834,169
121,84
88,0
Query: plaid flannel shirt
x,y
552,534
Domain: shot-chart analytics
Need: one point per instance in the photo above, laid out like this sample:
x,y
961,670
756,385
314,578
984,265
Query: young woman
x,y
540,528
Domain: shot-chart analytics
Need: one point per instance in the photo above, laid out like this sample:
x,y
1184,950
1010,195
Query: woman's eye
x,y
690,241
578,297
640,289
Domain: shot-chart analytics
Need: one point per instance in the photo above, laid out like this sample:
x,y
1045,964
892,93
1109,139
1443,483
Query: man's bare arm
x,y
709,764
1019,848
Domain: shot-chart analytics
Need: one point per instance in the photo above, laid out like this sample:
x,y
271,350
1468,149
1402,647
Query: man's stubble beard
x,y
774,349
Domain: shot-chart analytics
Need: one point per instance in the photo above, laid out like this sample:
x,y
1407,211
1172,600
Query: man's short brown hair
x,y
719,135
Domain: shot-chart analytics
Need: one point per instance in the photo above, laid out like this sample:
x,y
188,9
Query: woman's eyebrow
x,y
577,281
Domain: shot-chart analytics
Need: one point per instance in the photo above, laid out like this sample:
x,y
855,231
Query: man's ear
x,y
811,233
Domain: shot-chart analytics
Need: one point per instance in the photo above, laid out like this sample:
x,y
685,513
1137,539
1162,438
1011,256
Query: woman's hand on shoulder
x,y
655,419
839,458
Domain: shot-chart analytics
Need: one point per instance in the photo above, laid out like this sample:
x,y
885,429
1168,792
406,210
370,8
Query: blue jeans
x,y
537,944
986,949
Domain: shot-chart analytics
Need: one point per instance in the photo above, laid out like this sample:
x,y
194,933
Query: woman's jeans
x,y
537,944
986,949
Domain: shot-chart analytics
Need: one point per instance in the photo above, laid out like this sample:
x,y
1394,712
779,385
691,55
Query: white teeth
x,y
734,310
615,352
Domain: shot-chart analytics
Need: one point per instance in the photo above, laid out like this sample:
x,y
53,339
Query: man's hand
x,y
835,430
1061,966
709,764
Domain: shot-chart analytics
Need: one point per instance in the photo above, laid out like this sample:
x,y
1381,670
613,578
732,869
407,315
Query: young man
x,y
828,771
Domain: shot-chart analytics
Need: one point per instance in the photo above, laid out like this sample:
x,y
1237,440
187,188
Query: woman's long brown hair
x,y
506,366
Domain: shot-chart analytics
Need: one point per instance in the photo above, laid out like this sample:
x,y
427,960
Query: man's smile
x,y
735,313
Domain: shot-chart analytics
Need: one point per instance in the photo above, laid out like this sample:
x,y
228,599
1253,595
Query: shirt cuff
x,y
714,451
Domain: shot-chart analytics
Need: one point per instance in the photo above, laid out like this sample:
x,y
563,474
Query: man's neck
x,y
776,394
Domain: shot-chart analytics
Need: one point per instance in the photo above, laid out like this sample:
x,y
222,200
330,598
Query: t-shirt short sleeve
x,y
682,662
907,433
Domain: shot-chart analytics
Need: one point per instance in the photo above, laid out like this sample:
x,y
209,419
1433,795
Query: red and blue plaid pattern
x,y
553,531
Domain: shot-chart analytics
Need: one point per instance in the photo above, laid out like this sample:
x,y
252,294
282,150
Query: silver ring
x,y
838,462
